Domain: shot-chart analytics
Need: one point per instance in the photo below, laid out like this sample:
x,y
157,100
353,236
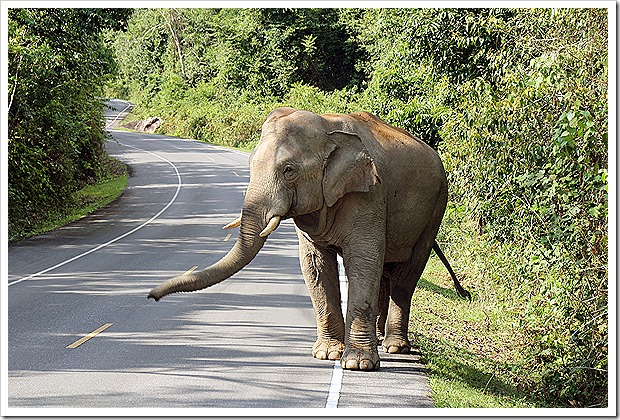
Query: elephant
x,y
355,187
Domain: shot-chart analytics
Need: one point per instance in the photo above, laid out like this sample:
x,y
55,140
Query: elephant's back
x,y
406,164
413,179
398,150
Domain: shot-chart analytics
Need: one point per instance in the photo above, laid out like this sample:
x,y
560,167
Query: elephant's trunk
x,y
249,242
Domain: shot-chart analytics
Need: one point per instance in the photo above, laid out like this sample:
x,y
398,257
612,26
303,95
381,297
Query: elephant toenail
x,y
320,355
350,364
366,365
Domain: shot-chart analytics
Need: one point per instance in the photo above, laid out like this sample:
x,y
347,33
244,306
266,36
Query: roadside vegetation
x,y
58,65
107,188
514,100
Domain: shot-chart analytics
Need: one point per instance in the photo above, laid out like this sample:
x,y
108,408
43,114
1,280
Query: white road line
x,y
117,115
334,387
97,248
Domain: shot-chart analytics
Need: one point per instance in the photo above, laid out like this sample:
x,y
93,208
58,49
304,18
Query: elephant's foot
x,y
380,333
396,344
327,349
360,359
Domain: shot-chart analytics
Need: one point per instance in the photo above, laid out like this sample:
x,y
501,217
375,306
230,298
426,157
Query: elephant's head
x,y
302,163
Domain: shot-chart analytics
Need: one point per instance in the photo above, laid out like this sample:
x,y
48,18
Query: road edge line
x,y
77,343
108,126
118,238
334,388
333,396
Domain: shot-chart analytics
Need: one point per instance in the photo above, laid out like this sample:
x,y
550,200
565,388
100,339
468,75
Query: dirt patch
x,y
150,125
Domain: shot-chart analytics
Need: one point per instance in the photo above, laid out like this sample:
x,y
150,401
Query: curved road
x,y
245,342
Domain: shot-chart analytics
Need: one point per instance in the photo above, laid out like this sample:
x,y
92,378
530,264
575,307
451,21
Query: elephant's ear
x,y
349,167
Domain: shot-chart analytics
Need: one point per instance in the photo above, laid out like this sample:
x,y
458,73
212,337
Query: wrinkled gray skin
x,y
354,186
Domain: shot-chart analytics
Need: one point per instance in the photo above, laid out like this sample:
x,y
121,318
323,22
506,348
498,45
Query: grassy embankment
x,y
471,351
84,201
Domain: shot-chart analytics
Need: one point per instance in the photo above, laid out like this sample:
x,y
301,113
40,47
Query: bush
x,y
57,66
527,155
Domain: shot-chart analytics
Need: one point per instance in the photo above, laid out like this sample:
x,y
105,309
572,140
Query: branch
x,y
177,43
16,82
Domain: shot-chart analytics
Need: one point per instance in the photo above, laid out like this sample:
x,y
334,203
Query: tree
x,y
57,67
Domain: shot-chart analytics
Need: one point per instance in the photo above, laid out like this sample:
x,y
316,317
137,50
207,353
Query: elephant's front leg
x,y
364,265
320,269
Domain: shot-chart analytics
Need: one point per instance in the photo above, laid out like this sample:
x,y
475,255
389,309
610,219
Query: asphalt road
x,y
244,343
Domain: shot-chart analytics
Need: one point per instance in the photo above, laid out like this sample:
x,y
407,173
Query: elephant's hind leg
x,y
403,279
320,269
384,302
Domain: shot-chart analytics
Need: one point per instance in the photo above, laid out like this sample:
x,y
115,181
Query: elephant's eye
x,y
289,172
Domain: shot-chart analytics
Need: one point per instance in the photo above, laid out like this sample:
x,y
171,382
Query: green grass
x,y
94,197
85,201
471,351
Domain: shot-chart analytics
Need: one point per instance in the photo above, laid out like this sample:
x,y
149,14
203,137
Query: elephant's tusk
x,y
234,224
271,226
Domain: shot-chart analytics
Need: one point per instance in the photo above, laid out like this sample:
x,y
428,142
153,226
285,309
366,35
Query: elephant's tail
x,y
462,292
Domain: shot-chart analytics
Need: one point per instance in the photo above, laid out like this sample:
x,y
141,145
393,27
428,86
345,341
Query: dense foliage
x,y
515,100
58,64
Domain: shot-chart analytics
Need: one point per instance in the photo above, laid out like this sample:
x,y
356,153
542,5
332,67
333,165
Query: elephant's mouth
x,y
291,210
290,214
